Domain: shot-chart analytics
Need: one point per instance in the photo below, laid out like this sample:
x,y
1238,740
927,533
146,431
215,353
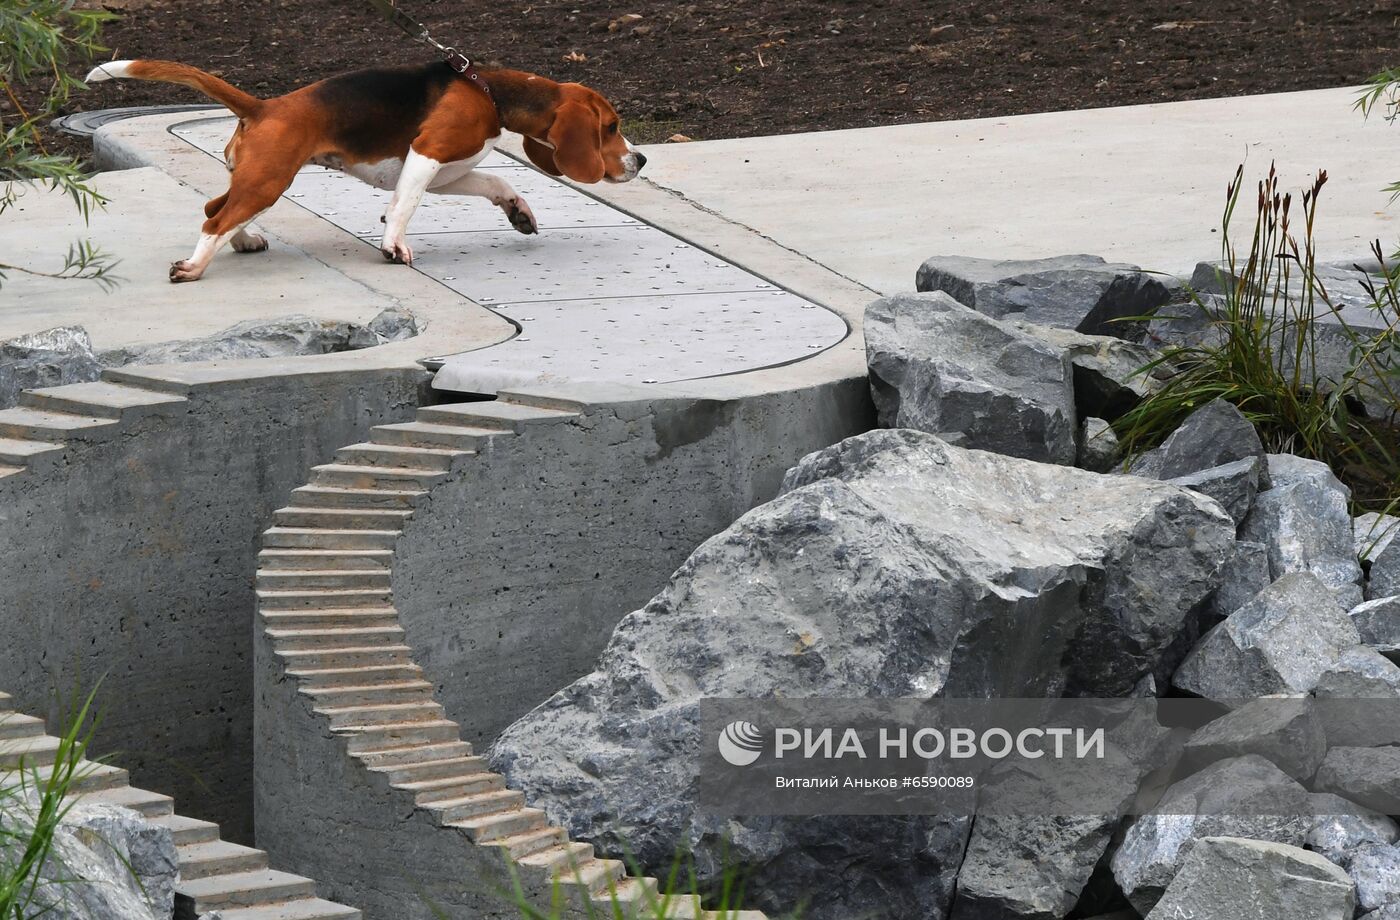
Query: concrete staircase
x,y
214,874
326,606
34,432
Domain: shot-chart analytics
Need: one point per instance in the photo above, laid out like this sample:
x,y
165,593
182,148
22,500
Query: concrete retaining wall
x,y
511,578
131,559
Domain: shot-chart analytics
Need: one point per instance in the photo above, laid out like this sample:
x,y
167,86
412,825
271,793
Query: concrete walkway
x,y
1143,184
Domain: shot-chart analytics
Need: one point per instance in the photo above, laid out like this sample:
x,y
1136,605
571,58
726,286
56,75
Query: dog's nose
x,y
641,159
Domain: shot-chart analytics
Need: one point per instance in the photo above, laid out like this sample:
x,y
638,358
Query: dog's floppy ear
x,y
541,156
577,136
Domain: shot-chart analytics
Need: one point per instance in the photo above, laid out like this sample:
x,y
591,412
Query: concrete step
x,y
14,452
30,751
424,770
519,846
555,860
135,377
17,725
490,802
592,880
244,889
301,909
424,434
351,717
380,519
400,691
451,788
10,470
631,898
307,639
320,659
312,679
433,459
346,617
367,740
148,804
330,539
503,824
416,753
499,416
101,399
187,831
7,703
97,777
218,857
324,599
303,579
540,401
318,496
34,425
348,476
321,560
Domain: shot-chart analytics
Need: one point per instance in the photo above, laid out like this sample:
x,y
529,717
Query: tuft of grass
x,y
25,849
1260,351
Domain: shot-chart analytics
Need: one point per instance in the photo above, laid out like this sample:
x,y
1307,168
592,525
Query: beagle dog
x,y
411,130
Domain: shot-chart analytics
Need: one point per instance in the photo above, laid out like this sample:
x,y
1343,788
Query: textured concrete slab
x,y
1142,184
598,295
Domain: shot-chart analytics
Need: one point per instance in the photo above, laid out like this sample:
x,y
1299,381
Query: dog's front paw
x,y
398,253
521,217
250,242
184,270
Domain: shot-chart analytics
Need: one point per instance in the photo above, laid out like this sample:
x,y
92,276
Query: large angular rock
x,y
1214,435
1079,292
1359,699
1375,868
1385,572
394,324
1282,642
1378,622
1243,879
1110,375
1365,775
1307,528
939,367
1243,797
286,337
1286,732
894,565
46,359
1289,469
1233,485
1340,827
1099,450
106,863
1374,532
1245,575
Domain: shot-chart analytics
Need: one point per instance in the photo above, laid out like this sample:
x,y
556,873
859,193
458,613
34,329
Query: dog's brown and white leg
x,y
497,191
252,190
418,173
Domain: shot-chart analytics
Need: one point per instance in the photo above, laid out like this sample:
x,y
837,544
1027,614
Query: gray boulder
x,y
1374,532
1375,868
1243,797
1110,375
1365,775
1099,450
937,366
1079,292
283,338
1245,575
1385,572
1243,879
107,863
1214,435
1357,699
1286,732
1307,528
1281,642
46,359
1339,827
893,565
1378,622
1389,912
1233,485
394,325
1289,469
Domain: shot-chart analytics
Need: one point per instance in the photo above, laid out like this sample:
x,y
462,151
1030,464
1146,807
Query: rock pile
x,y
960,554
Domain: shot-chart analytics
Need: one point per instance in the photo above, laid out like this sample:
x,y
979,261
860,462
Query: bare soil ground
x,y
733,68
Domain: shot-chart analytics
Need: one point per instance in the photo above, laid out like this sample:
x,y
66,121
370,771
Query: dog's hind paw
x,y
184,270
250,242
398,253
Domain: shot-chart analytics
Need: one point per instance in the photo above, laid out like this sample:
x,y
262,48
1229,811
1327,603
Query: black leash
x,y
419,32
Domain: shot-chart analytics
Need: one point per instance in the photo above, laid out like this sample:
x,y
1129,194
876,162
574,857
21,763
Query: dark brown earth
x,y
732,68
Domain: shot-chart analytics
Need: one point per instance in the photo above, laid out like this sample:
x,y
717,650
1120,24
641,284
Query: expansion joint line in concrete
x,y
215,875
326,609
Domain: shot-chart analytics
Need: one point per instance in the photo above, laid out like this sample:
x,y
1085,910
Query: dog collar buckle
x,y
463,65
